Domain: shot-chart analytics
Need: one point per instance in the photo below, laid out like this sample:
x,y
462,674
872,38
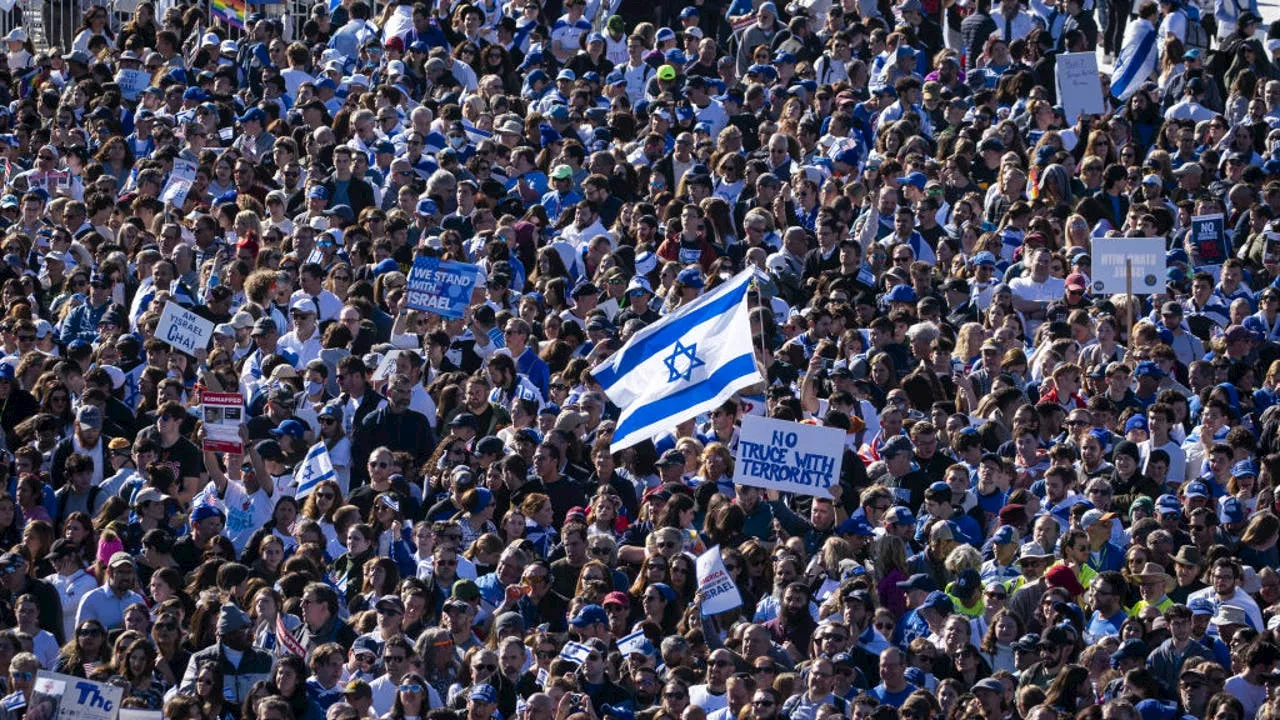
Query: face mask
x,y
457,143
314,388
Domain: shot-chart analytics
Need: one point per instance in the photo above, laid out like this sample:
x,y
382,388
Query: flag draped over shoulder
x,y
313,470
1137,60
683,365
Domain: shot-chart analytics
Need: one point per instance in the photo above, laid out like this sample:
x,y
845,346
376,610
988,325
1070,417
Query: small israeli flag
x,y
684,365
313,470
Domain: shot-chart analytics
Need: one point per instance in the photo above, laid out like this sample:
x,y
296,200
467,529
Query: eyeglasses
x,y
486,667
88,632
394,658
601,551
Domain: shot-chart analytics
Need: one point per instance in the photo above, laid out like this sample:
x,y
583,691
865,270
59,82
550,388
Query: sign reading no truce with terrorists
x,y
789,457
442,287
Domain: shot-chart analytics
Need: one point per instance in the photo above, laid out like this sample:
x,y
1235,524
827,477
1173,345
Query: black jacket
x,y
407,431
359,192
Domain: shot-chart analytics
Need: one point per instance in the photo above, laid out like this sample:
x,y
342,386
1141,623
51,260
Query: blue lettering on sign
x,y
778,462
90,696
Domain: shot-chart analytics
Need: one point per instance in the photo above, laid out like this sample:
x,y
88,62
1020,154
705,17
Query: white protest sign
x,y
63,697
133,82
719,593
134,714
633,643
179,184
575,652
1146,263
1079,89
184,330
386,367
788,456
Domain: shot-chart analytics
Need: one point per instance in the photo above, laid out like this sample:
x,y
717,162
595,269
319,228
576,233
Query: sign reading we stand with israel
x,y
719,592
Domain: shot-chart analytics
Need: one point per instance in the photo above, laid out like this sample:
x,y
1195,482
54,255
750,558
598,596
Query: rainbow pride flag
x,y
232,12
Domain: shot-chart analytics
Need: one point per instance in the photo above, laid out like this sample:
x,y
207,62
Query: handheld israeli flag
x,y
633,643
313,470
1137,59
575,652
683,365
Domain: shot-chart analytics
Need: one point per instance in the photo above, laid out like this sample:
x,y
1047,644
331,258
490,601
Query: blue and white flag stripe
x,y
1136,62
315,469
683,365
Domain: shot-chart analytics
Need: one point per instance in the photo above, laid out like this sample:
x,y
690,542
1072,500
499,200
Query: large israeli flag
x,y
313,470
683,365
1137,59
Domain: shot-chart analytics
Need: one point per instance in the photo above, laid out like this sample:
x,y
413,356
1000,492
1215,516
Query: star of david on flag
x,y
313,470
703,350
683,356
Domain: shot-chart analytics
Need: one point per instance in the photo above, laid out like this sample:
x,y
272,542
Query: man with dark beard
x,y
794,624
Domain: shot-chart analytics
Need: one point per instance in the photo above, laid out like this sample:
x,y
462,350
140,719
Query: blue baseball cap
x,y
253,114
916,179
1231,510
665,34
938,600
901,293
690,277
984,258
1168,504
1196,489
1004,535
690,11
1137,422
1148,367
783,57
484,693
849,156
1201,606
292,428
427,206
384,147
318,192
1243,468
857,526
899,515
918,581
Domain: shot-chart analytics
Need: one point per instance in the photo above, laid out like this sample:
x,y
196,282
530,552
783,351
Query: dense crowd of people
x,y
1054,503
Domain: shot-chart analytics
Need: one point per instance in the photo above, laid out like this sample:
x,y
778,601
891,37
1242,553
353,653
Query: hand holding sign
x,y
787,456
715,585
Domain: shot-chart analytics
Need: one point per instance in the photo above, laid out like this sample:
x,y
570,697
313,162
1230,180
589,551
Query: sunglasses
x,y
411,688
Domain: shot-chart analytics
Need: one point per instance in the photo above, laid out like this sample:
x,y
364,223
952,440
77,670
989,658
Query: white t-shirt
x,y
1250,695
1177,458
701,696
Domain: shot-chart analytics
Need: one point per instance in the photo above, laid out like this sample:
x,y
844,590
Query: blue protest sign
x,y
441,287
